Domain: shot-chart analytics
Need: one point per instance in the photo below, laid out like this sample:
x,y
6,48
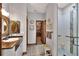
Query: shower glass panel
x,y
60,36
71,34
73,30
78,29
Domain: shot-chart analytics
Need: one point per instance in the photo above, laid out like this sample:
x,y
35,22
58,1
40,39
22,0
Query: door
x,y
68,42
73,37
73,31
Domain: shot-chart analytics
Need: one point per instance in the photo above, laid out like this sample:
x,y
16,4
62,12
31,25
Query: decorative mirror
x,y
5,25
31,27
14,27
31,21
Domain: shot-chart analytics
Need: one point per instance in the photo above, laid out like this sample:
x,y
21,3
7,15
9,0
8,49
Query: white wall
x,y
32,33
52,15
60,23
18,12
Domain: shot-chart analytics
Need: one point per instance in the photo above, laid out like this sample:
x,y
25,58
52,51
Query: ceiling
x,y
33,7
62,5
37,7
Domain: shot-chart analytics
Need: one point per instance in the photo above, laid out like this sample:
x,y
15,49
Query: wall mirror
x,y
14,27
5,25
9,24
11,27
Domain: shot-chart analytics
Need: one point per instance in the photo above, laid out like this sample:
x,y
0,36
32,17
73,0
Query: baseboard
x,y
32,44
24,53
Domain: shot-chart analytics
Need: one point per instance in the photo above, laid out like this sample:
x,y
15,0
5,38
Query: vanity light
x,y
5,13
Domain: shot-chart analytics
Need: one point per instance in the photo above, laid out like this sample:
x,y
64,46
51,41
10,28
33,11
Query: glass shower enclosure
x,y
70,36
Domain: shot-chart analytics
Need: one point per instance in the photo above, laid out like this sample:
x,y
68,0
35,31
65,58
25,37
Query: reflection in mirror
x,y
14,27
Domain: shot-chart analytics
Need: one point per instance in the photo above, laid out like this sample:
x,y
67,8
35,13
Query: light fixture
x,y
5,13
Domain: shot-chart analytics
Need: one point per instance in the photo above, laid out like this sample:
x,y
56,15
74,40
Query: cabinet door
x,y
19,51
8,52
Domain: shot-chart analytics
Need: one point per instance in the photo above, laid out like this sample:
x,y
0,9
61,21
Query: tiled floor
x,y
35,50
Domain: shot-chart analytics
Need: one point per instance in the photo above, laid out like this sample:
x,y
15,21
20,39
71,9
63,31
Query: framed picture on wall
x,y
31,27
31,21
49,35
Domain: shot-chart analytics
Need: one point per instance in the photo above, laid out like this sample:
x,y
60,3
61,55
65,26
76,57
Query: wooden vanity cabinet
x,y
16,50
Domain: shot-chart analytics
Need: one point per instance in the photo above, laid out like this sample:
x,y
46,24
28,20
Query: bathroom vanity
x,y
12,46
12,36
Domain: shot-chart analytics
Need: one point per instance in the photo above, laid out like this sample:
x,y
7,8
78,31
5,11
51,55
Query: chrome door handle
x,y
68,36
72,37
73,40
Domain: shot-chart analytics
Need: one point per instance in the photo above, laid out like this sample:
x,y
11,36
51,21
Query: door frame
x,y
27,29
0,29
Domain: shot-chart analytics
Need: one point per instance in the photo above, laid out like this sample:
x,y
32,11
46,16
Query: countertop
x,y
8,45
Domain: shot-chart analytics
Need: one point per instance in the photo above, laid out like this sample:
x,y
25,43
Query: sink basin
x,y
10,40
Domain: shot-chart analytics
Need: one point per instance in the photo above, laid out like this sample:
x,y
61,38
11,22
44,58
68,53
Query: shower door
x,y
74,30
71,33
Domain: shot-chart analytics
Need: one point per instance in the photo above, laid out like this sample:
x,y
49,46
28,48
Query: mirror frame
x,y
6,19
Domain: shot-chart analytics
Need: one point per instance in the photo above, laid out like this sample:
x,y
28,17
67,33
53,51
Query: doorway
x,y
40,32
